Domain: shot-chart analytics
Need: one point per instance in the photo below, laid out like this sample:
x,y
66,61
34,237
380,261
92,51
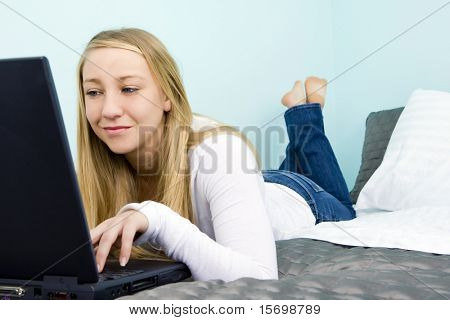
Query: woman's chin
x,y
121,148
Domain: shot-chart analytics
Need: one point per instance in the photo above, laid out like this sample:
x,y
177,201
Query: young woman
x,y
155,188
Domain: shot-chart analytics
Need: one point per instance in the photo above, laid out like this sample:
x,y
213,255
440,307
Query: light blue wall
x,y
237,58
418,59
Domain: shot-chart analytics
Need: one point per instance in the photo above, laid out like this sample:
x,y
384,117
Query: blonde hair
x,y
107,181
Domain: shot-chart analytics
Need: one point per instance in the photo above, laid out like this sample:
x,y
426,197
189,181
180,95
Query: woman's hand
x,y
124,225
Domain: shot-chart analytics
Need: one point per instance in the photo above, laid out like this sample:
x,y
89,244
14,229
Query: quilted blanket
x,y
315,269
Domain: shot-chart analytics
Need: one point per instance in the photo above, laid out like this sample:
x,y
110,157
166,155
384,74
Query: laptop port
x,y
144,284
59,295
37,293
12,292
116,292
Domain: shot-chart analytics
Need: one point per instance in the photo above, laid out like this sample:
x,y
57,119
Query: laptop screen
x,y
43,229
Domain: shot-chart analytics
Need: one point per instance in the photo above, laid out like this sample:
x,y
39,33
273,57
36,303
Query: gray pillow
x,y
379,127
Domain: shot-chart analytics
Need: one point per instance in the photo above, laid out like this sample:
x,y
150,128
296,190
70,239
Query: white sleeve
x,y
244,246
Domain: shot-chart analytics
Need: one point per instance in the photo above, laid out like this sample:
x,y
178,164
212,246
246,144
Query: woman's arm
x,y
226,173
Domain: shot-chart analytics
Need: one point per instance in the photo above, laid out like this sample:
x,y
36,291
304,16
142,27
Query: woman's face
x,y
119,90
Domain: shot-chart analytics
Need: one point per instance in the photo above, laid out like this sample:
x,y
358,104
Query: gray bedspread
x,y
313,269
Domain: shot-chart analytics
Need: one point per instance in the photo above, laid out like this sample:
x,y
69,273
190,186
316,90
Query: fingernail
x,y
98,267
123,261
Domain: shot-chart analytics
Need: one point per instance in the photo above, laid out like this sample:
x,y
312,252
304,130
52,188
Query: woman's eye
x,y
129,90
92,93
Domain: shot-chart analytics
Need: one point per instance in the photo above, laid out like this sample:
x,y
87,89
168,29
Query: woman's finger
x,y
106,241
128,233
97,232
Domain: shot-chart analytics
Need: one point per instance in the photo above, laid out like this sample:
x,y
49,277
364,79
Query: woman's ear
x,y
167,105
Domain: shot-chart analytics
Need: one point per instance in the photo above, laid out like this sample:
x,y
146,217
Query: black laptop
x,y
45,246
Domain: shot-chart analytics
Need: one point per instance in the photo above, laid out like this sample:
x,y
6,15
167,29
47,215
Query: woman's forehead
x,y
120,63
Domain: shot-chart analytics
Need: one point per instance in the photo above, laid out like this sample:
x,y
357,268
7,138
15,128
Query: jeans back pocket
x,y
311,183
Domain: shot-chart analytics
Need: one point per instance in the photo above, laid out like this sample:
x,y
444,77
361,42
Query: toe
x,y
296,96
316,90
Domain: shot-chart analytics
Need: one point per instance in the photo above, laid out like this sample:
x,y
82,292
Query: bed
x,y
313,267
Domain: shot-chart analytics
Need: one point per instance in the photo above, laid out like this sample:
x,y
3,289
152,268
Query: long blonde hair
x,y
107,181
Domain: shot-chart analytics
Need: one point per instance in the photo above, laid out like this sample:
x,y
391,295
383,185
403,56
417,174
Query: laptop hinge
x,y
59,282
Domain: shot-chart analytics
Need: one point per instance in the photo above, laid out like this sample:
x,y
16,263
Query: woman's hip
x,y
324,206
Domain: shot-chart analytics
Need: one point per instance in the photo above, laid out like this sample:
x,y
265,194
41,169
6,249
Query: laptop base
x,y
68,288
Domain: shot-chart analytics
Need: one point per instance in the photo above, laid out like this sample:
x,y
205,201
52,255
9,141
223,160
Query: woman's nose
x,y
111,107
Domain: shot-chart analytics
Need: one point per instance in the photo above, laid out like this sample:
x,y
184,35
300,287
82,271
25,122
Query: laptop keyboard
x,y
108,274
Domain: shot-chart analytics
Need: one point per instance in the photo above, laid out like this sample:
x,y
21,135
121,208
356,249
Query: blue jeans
x,y
310,167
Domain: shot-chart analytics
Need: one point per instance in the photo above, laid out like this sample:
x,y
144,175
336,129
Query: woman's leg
x,y
309,152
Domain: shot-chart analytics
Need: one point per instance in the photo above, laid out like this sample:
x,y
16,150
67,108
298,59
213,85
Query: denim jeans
x,y
310,167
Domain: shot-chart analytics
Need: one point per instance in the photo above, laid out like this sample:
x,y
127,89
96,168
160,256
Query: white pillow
x,y
415,170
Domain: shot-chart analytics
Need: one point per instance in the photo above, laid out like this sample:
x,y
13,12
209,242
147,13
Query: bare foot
x,y
296,96
316,89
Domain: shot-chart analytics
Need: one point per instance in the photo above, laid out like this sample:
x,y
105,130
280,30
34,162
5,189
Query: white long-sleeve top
x,y
237,215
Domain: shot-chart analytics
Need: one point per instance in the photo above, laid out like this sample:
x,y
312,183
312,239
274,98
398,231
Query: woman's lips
x,y
115,132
